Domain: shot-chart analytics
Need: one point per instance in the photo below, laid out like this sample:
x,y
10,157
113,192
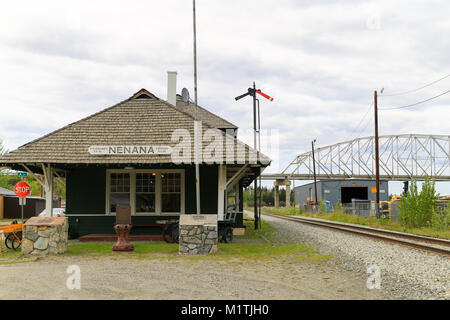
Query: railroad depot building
x,y
140,152
342,191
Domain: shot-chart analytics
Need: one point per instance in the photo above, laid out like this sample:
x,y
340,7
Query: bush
x,y
338,206
441,218
416,209
322,207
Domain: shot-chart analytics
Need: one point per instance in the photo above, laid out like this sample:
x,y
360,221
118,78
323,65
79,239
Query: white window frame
x,y
158,193
157,176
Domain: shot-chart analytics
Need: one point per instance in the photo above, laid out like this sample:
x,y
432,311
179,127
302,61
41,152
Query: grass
x,y
264,244
10,257
284,211
370,222
77,249
8,220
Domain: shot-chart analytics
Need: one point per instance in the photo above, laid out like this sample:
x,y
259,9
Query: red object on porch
x,y
113,237
122,244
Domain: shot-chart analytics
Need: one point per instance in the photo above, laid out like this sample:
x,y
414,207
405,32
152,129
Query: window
x,y
170,192
145,192
120,190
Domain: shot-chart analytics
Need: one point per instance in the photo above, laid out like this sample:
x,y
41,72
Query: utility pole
x,y
314,170
293,195
377,159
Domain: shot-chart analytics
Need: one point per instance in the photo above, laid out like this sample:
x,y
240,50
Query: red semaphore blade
x,y
264,95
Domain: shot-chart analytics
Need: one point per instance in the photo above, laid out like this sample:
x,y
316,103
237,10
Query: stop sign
x,y
22,189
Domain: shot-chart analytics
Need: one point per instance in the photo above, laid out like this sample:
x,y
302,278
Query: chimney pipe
x,y
172,87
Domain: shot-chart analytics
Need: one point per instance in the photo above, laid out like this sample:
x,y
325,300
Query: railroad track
x,y
441,246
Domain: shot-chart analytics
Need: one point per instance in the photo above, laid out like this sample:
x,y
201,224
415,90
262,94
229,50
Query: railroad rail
x,y
441,246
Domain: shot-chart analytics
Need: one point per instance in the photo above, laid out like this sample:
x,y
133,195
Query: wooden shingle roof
x,y
142,120
204,115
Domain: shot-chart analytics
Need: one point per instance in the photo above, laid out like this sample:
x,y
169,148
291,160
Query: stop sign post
x,y
22,190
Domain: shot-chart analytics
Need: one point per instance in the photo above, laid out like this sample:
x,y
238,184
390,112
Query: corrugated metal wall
x,y
331,190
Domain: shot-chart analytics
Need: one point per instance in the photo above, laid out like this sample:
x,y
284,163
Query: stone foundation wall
x,y
198,239
198,234
45,235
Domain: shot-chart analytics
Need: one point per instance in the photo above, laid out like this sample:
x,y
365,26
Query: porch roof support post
x,y
221,195
236,177
48,187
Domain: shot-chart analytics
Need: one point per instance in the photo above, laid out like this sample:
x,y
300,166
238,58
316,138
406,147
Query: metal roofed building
x,y
342,191
121,156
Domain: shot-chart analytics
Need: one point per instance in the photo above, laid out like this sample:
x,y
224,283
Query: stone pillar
x,y
45,235
288,194
276,196
2,242
198,234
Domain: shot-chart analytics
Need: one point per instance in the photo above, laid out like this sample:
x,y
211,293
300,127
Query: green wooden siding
x,y
86,191
209,175
86,194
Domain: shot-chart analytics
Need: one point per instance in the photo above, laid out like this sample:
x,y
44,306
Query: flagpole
x,y
197,129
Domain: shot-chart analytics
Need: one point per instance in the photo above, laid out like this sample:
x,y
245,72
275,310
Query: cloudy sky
x,y
320,60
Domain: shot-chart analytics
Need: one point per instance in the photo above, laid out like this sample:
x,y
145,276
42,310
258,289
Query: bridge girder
x,y
402,158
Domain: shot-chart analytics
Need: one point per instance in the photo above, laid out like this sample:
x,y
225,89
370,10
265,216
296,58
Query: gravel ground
x,y
122,277
406,273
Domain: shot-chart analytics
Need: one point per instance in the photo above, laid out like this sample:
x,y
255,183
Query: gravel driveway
x,y
406,273
107,277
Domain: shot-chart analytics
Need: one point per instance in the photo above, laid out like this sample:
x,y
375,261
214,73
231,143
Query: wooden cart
x,y
13,235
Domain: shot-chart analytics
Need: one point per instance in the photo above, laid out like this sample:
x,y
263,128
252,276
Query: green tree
x,y
416,209
267,196
8,181
441,218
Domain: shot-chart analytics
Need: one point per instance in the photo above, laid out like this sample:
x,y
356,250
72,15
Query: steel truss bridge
x,y
402,158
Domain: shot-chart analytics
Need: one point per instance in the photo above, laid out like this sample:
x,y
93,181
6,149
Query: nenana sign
x,y
129,150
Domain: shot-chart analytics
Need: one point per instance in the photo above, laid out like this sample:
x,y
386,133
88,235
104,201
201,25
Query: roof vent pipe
x,y
172,87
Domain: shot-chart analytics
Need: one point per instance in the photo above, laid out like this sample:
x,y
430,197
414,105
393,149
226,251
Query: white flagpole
x,y
197,125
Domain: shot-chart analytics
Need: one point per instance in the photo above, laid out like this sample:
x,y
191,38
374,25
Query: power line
x,y
364,129
361,121
415,104
413,90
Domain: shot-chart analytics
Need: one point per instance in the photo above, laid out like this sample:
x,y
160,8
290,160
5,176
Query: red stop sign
x,y
22,189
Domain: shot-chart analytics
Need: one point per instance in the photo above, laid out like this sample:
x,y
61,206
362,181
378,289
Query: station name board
x,y
129,150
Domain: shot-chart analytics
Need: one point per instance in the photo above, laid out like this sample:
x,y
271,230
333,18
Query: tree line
x,y
267,196
9,178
